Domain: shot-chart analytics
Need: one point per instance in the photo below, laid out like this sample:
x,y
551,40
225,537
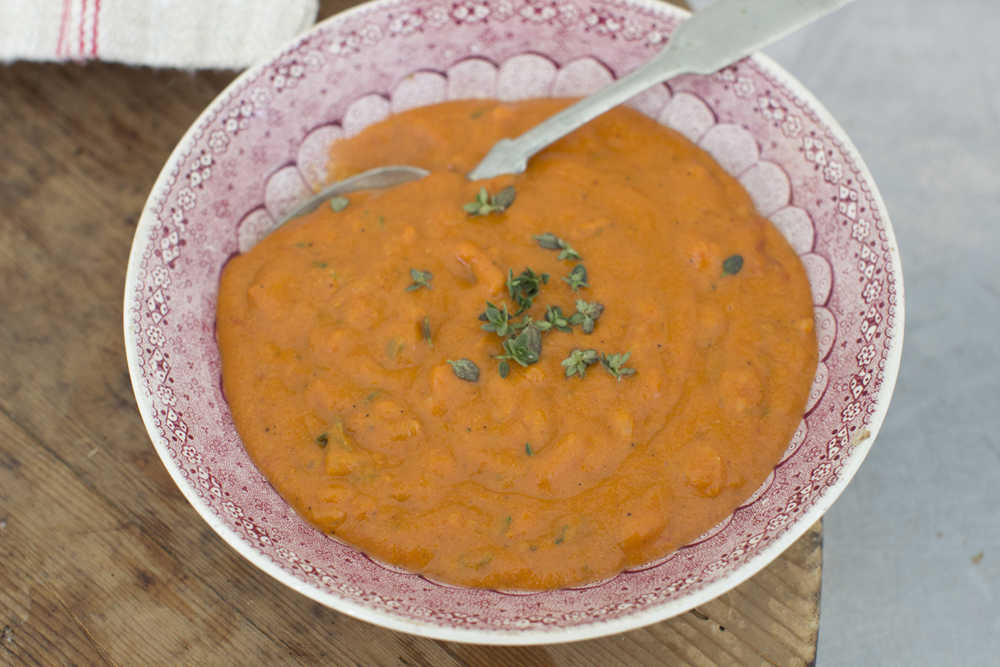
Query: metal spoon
x,y
373,179
712,38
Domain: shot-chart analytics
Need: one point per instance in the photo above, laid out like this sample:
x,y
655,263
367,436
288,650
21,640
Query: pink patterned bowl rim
x,y
260,146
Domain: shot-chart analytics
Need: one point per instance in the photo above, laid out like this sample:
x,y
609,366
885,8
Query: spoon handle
x,y
712,38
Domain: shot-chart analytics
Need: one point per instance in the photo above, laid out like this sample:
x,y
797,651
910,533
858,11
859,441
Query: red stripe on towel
x,y
93,35
83,12
61,44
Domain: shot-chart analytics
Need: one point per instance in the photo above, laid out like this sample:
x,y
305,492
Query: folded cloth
x,y
168,33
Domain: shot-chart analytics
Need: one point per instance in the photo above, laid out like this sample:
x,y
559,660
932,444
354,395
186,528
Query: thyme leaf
x,y
524,348
497,319
615,364
464,369
420,279
524,287
425,330
503,199
578,361
577,278
484,204
550,241
541,325
586,314
556,320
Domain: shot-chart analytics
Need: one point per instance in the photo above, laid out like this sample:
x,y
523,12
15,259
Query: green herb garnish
x,y
524,287
556,320
550,241
484,204
578,360
541,325
615,363
528,450
323,439
480,205
732,265
586,314
420,279
569,253
577,278
505,198
425,330
338,204
561,537
503,368
465,369
497,319
524,348
393,347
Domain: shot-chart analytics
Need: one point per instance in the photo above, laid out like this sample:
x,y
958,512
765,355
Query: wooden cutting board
x,y
101,558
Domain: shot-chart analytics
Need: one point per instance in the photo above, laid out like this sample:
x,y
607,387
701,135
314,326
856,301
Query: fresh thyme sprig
x,y
615,364
522,340
420,279
525,348
484,204
541,325
556,320
577,278
550,241
578,361
497,319
524,287
586,315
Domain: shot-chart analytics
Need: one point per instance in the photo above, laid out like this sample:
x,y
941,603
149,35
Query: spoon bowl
x,y
373,179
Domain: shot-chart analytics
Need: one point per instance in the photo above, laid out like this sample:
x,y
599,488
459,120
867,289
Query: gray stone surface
x,y
916,84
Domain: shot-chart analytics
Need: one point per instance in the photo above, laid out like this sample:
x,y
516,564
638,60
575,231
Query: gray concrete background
x,y
912,548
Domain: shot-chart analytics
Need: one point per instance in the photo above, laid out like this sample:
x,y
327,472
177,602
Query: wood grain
x,y
102,561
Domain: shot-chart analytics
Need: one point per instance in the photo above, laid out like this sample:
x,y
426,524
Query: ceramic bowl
x,y
261,145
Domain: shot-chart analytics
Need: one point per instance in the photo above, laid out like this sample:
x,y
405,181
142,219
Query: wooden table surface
x,y
101,558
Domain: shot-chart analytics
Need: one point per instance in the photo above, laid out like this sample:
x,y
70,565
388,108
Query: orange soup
x,y
527,382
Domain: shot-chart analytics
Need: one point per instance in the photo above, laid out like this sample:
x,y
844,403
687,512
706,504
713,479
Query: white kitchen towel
x,y
161,33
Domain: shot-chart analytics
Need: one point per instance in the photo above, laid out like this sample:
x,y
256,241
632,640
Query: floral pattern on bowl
x,y
261,145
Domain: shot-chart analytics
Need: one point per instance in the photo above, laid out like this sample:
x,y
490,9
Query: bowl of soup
x,y
537,408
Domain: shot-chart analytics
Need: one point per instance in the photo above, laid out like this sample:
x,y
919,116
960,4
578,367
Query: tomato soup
x,y
527,382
